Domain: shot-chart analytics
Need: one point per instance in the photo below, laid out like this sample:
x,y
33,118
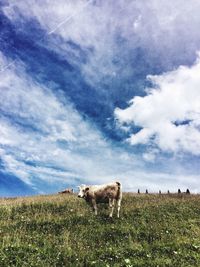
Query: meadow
x,y
61,230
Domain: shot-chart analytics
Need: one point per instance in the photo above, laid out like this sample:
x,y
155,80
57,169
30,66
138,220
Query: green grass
x,y
61,230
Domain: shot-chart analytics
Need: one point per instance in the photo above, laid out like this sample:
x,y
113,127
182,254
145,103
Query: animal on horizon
x,y
66,191
106,193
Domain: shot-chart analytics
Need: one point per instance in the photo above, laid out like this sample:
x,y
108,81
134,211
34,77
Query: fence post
x,y
188,192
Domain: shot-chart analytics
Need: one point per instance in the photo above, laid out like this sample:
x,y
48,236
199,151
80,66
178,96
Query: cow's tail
x,y
119,192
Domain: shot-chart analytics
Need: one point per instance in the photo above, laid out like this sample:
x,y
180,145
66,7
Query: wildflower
x,y
127,261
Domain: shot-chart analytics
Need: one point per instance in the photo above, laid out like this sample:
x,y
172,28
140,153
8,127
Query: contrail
x,y
7,66
69,18
52,31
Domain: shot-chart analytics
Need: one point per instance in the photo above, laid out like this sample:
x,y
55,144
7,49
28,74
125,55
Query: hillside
x,y
61,230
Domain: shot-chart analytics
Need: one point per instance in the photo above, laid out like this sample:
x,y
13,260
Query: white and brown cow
x,y
107,193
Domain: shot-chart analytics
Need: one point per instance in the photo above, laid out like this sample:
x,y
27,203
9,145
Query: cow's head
x,y
83,189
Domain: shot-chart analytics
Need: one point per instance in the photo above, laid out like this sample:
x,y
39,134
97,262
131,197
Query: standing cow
x,y
107,193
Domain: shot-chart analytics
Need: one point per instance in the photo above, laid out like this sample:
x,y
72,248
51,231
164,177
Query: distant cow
x,y
66,191
107,193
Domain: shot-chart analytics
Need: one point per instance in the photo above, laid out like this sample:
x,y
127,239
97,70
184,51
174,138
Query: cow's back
x,y
102,193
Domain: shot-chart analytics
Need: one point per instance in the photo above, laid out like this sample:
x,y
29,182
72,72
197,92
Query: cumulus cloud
x,y
169,114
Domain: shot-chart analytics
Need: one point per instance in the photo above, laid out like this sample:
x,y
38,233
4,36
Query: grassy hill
x,y
61,230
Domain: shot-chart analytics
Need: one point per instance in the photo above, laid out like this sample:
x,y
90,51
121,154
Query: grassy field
x,y
61,230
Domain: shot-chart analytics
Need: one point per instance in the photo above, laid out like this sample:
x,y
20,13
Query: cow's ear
x,y
86,189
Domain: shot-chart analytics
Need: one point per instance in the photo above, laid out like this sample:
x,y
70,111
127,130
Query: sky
x,y
95,91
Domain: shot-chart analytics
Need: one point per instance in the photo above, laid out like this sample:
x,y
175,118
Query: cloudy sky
x,y
93,91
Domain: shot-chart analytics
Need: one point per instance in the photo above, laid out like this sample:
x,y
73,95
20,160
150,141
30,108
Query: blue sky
x,y
94,91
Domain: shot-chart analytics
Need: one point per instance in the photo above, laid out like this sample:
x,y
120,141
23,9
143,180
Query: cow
x,y
66,191
106,193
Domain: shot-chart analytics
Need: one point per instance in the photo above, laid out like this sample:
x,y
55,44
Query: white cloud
x,y
163,181
139,24
69,142
43,136
31,149
149,156
169,114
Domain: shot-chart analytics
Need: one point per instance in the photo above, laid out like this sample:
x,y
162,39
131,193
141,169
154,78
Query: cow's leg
x,y
110,202
118,206
112,206
94,206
